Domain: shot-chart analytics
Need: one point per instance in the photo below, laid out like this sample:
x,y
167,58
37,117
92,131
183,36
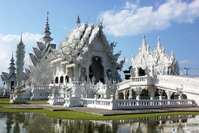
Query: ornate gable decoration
x,y
78,41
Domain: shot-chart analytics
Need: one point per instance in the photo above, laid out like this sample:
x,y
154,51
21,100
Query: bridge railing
x,y
98,103
56,100
121,104
144,104
136,81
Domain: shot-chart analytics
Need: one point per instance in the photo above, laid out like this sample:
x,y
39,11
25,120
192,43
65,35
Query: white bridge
x,y
188,86
170,85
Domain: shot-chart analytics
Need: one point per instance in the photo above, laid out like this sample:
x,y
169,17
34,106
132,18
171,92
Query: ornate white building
x,y
83,71
82,64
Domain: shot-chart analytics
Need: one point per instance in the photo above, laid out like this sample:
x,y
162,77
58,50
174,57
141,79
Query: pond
x,y
38,123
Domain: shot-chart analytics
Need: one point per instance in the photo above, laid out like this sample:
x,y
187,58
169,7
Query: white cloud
x,y
8,43
133,20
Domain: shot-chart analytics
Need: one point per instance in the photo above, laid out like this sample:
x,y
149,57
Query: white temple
x,y
84,71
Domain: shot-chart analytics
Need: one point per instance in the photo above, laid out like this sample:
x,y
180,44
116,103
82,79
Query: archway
x,y
96,70
184,96
121,96
144,94
132,94
164,95
174,95
12,85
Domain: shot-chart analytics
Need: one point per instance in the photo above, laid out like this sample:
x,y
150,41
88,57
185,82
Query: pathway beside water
x,y
102,112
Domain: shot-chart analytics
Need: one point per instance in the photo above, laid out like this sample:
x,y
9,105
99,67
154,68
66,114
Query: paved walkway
x,y
102,112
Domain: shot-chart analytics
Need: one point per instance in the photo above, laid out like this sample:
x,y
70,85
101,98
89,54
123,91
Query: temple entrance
x,y
141,72
12,85
121,96
96,70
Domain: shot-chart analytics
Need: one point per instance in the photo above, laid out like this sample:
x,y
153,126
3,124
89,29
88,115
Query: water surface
x,y
37,123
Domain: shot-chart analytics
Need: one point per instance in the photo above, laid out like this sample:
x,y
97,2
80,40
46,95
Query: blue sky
x,y
130,21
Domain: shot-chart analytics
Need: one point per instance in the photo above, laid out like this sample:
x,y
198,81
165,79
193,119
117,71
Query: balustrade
x,y
139,79
136,104
56,100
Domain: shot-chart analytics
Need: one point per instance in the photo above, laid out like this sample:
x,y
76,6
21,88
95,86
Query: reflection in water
x,y
37,123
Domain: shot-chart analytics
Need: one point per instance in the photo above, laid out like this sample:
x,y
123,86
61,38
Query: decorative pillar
x,y
160,97
138,92
112,103
180,96
116,94
179,92
169,93
152,93
138,97
130,94
124,94
136,72
160,92
95,102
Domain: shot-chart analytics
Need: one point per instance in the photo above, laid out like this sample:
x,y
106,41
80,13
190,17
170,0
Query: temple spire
x,y
158,43
144,44
20,55
78,21
47,38
21,38
12,65
144,41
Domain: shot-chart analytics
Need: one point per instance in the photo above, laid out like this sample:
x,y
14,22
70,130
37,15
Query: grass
x,y
68,114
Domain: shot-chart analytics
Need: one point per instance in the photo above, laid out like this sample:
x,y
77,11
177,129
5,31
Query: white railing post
x,y
138,100
95,102
112,106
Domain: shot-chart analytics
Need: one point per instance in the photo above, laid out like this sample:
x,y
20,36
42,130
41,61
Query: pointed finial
x,y
158,42
21,38
144,43
101,24
12,59
78,22
47,39
47,14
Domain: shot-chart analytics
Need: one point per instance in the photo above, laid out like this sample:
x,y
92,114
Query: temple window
x,y
141,72
66,79
56,80
61,79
